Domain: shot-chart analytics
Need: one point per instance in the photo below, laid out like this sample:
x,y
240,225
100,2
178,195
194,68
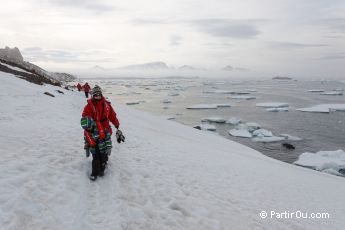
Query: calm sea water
x,y
319,131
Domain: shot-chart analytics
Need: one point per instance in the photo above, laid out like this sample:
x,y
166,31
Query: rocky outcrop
x,y
11,61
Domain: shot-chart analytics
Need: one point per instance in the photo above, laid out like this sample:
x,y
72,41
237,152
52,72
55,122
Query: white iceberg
x,y
207,127
208,106
223,105
240,133
290,137
273,104
134,102
323,108
326,161
333,93
203,106
284,109
251,126
233,121
173,94
241,97
268,139
262,133
316,90
166,101
214,119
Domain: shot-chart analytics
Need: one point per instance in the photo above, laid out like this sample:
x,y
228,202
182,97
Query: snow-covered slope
x,y
165,176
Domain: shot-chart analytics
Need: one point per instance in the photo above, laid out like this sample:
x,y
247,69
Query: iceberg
x,y
240,133
324,108
333,93
214,119
284,109
207,127
241,97
233,121
268,139
203,106
262,133
208,106
272,105
290,138
316,90
134,102
326,161
251,126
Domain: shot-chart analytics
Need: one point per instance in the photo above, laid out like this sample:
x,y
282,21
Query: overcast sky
x,y
276,37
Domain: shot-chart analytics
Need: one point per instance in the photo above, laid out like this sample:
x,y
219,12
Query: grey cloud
x,y
335,56
293,45
228,28
217,45
148,21
334,25
62,56
89,5
175,40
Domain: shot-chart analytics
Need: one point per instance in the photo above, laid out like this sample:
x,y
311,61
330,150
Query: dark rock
x,y
288,146
49,94
59,91
197,127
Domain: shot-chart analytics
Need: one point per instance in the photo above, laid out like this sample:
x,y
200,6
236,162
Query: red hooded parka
x,y
101,112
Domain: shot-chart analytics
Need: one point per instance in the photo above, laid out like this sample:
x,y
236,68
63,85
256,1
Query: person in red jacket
x,y
98,135
86,88
79,86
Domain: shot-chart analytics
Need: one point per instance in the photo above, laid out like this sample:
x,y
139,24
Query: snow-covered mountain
x,y
147,66
230,68
12,61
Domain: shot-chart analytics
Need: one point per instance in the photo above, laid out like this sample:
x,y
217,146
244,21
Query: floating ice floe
x,y
290,138
134,102
208,106
240,92
214,119
316,90
251,126
338,89
333,93
233,121
219,91
326,161
166,101
207,127
268,139
324,108
223,105
273,104
262,133
173,94
240,133
284,109
241,97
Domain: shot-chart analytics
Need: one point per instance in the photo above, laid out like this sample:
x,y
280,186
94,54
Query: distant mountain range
x,y
163,66
12,61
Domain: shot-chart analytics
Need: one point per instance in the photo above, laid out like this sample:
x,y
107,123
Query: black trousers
x,y
87,94
99,162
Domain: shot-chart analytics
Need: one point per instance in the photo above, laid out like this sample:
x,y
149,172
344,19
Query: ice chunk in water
x,y
326,161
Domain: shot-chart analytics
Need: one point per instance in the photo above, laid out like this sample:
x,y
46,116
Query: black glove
x,y
119,136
